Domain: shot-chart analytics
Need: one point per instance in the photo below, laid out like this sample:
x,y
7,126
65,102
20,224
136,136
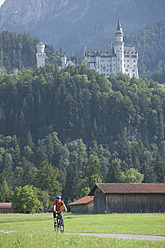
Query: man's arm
x,y
54,208
65,207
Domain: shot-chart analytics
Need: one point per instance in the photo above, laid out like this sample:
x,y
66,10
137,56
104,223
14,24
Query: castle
x,y
113,59
107,60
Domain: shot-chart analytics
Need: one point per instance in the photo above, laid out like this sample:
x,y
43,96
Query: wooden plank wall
x,y
135,203
83,208
99,202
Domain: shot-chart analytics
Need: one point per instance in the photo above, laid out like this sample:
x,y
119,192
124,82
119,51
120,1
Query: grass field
x,y
36,230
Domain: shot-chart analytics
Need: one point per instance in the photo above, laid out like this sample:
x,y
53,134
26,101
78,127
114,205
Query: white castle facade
x,y
113,59
40,55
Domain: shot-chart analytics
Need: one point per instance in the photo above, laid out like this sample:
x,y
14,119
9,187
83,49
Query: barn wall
x,y
135,203
83,208
90,207
99,202
6,210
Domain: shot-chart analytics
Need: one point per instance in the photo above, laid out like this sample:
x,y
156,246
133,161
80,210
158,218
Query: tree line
x,y
63,131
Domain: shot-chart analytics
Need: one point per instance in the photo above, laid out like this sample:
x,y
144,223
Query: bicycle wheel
x,y
55,227
62,228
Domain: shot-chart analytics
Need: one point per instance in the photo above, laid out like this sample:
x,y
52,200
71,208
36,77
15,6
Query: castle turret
x,y
64,60
40,55
119,33
119,47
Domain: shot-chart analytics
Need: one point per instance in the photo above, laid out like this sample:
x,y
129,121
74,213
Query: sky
x,y
1,2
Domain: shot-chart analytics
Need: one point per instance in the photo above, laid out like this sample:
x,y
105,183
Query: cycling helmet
x,y
58,197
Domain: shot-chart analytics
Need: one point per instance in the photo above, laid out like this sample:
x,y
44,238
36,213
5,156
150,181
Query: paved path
x,y
123,236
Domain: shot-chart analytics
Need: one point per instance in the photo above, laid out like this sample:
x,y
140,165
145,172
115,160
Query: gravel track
x,y
123,236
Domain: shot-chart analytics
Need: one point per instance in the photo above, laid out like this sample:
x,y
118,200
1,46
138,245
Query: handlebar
x,y
59,212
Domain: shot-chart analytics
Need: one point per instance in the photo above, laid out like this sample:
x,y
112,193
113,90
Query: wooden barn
x,y
128,198
6,207
84,205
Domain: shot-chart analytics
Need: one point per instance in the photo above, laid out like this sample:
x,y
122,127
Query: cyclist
x,y
57,207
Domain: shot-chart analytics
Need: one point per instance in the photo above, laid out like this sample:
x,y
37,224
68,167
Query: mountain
x,y
72,24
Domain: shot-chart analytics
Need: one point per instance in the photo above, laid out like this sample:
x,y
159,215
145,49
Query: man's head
x,y
58,197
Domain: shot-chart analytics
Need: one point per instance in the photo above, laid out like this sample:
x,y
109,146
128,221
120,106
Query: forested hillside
x,y
150,46
62,131
19,51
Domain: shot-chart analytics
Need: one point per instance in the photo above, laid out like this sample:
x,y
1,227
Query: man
x,y
57,207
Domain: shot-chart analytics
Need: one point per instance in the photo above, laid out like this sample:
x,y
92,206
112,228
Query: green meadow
x,y
36,230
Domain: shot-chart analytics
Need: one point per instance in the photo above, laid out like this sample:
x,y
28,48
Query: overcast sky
x,y
1,2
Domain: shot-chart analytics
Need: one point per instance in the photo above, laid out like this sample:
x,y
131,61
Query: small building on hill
x,y
6,207
84,205
66,63
128,198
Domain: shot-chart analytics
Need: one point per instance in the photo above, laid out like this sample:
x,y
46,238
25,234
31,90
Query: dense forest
x,y
150,46
62,131
19,51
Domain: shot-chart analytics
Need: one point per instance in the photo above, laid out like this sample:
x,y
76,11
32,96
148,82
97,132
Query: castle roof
x,y
109,51
119,28
119,25
129,51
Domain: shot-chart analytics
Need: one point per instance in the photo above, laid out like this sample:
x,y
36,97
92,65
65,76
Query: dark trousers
x,y
59,214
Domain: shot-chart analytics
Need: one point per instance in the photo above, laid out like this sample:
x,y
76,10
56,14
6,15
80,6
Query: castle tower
x,y
40,55
119,46
64,60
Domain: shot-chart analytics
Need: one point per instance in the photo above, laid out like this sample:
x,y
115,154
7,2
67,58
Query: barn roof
x,y
85,200
6,205
129,188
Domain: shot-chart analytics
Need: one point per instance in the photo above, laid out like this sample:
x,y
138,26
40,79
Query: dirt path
x,y
123,236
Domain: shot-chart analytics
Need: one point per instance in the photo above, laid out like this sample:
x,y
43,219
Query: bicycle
x,y
60,222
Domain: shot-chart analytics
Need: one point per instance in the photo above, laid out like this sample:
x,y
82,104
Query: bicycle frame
x,y
60,222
